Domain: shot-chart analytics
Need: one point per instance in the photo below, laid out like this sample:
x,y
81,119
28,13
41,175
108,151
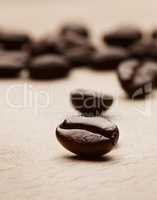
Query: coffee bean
x,y
145,49
12,63
76,29
1,47
89,102
48,44
154,33
71,40
150,69
14,40
123,36
108,58
79,56
87,136
137,77
49,67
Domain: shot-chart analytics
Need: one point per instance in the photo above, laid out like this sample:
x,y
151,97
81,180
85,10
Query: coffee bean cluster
x,y
138,73
88,134
126,49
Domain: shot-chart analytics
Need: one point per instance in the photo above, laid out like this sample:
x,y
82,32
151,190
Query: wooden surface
x,y
33,165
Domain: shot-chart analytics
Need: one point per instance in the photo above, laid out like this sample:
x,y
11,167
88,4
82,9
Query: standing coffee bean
x,y
89,102
49,67
77,29
144,49
14,40
108,58
135,79
123,36
12,63
87,136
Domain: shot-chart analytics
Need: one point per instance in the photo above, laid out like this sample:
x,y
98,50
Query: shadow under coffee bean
x,y
87,136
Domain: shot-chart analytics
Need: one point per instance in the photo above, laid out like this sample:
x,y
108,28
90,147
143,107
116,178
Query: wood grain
x,y
33,165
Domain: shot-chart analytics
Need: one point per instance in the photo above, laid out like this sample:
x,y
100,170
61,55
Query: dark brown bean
x,y
12,63
145,49
123,36
14,40
87,136
89,102
71,41
49,67
48,44
137,78
108,58
154,33
77,29
79,56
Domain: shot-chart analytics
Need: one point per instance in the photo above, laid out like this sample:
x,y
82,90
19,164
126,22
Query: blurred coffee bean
x,y
144,49
51,44
79,56
90,103
76,29
108,58
154,33
71,40
12,63
48,44
150,69
14,40
123,36
1,47
137,78
49,67
87,136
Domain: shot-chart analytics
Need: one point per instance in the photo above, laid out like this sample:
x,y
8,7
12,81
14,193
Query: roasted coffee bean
x,y
87,136
89,102
77,29
12,63
1,48
14,40
108,58
49,67
123,36
79,56
48,44
71,40
149,68
145,49
137,78
154,33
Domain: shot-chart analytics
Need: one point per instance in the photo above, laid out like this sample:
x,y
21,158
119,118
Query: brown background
x,y
33,166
